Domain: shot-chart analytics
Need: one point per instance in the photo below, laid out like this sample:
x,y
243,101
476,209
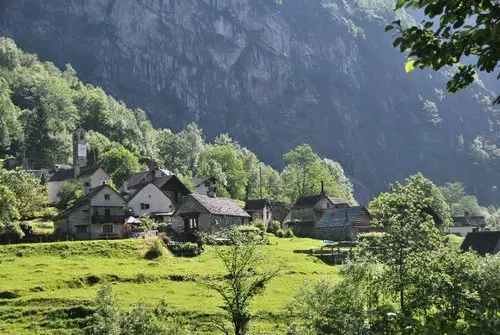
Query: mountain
x,y
274,76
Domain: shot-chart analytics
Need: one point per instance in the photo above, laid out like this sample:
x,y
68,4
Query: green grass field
x,y
49,288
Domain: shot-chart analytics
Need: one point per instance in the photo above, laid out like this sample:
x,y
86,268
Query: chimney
x,y
76,170
467,217
125,186
86,189
322,188
212,193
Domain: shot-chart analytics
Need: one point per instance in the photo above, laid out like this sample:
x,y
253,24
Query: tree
x,y
11,132
409,212
68,193
9,212
299,166
453,31
243,282
224,163
30,194
106,319
120,164
459,202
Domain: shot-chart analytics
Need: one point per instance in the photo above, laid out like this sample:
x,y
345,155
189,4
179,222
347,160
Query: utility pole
x,y
260,180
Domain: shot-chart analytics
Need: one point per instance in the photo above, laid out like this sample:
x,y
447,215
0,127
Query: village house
x,y
484,242
343,224
149,200
99,214
204,185
307,211
462,225
88,176
204,213
168,183
259,209
279,211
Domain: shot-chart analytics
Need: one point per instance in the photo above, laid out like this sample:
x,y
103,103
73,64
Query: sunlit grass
x,y
50,278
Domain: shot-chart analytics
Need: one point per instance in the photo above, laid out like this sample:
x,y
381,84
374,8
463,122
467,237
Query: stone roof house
x,y
150,200
204,213
89,176
484,242
279,211
259,209
96,215
343,224
462,225
169,184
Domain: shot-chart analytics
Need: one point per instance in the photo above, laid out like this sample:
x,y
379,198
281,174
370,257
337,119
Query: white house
x,y
89,176
98,214
149,200
204,185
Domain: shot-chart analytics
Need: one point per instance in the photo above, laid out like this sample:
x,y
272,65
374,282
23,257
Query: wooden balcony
x,y
108,219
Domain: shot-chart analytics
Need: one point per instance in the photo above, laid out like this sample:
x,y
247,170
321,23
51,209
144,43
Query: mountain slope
x,y
274,76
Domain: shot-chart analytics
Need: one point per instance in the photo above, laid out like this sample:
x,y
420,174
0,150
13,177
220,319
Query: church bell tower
x,y
79,150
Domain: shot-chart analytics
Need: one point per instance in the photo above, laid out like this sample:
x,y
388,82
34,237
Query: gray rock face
x,y
273,76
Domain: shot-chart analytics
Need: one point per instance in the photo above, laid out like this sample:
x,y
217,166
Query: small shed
x,y
259,209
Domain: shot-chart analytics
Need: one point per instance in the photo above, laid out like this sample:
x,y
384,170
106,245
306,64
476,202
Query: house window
x,y
104,182
144,206
107,228
85,214
107,212
107,196
81,229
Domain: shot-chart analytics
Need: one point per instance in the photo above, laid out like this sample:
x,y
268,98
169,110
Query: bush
x,y
156,250
280,233
259,223
47,213
164,227
289,233
275,226
185,249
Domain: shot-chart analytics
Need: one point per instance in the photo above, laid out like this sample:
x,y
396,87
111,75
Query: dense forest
x,y
275,76
41,105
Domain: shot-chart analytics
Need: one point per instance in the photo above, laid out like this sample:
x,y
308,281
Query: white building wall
x,y
152,195
97,178
53,189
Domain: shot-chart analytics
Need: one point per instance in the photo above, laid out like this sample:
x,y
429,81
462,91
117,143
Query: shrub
x,y
164,227
156,250
289,233
275,226
47,213
259,223
185,249
280,233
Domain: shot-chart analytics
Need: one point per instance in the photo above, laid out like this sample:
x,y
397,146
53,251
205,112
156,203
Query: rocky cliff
x,y
274,76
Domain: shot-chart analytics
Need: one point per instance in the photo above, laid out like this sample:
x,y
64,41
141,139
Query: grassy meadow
x,y
48,288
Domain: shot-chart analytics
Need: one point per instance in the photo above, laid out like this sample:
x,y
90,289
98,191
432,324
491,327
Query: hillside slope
x,y
274,76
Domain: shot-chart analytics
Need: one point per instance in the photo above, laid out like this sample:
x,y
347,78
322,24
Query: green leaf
x,y
410,65
389,27
400,3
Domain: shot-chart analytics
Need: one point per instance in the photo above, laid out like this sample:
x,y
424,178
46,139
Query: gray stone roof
x,y
67,174
256,204
338,201
340,217
484,242
471,221
215,206
308,201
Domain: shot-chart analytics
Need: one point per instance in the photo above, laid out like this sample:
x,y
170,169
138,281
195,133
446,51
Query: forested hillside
x,y
274,76
40,106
